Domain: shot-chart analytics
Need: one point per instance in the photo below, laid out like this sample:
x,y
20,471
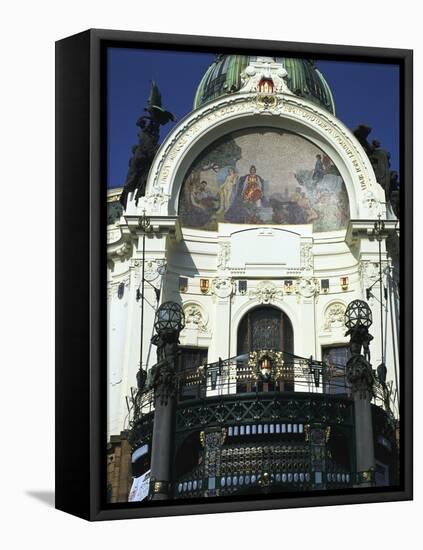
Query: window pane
x,y
336,359
191,359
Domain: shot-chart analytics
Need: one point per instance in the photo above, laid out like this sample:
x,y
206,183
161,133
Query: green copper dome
x,y
224,76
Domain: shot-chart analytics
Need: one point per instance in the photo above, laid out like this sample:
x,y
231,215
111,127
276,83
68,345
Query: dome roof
x,y
224,76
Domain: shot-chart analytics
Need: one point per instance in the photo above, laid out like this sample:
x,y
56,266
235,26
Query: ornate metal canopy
x,y
169,318
358,314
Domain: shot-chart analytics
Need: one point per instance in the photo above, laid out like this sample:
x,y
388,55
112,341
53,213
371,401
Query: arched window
x,y
265,327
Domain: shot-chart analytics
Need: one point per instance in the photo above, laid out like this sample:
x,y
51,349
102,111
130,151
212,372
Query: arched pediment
x,y
240,112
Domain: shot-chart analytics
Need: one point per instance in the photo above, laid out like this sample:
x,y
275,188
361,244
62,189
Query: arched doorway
x,y
265,327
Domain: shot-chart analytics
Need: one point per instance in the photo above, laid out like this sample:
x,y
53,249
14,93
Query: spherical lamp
x,y
358,314
170,318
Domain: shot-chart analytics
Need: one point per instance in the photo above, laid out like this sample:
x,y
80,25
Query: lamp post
x,y
169,322
358,319
378,233
144,224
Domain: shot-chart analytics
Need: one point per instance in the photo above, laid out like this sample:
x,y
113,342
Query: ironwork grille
x,y
265,327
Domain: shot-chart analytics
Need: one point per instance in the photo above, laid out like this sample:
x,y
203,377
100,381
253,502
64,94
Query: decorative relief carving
x,y
306,287
222,287
264,68
265,292
113,235
123,250
334,316
369,275
153,202
119,245
195,317
119,250
246,104
373,205
153,269
307,260
223,256
134,265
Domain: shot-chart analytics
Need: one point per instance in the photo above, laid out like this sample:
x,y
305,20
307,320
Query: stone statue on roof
x,y
148,144
380,158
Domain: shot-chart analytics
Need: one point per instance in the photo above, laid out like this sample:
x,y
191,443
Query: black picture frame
x,y
81,268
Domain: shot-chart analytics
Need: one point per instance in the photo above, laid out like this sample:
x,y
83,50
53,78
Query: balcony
x,y
271,421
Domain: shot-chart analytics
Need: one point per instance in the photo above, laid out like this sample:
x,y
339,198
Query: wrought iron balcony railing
x,y
259,372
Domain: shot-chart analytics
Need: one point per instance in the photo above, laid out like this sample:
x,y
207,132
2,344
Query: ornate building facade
x,y
265,220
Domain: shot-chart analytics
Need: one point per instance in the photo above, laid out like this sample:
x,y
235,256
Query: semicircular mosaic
x,y
262,176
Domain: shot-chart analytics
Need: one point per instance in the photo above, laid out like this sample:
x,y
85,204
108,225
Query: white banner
x,y
140,488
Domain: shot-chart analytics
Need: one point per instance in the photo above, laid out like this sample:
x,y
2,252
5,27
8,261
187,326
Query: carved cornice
x,y
119,244
358,229
168,225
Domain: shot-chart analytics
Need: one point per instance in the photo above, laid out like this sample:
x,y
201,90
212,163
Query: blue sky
x,y
363,93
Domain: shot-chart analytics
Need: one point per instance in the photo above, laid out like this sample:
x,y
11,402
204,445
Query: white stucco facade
x,y
263,255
